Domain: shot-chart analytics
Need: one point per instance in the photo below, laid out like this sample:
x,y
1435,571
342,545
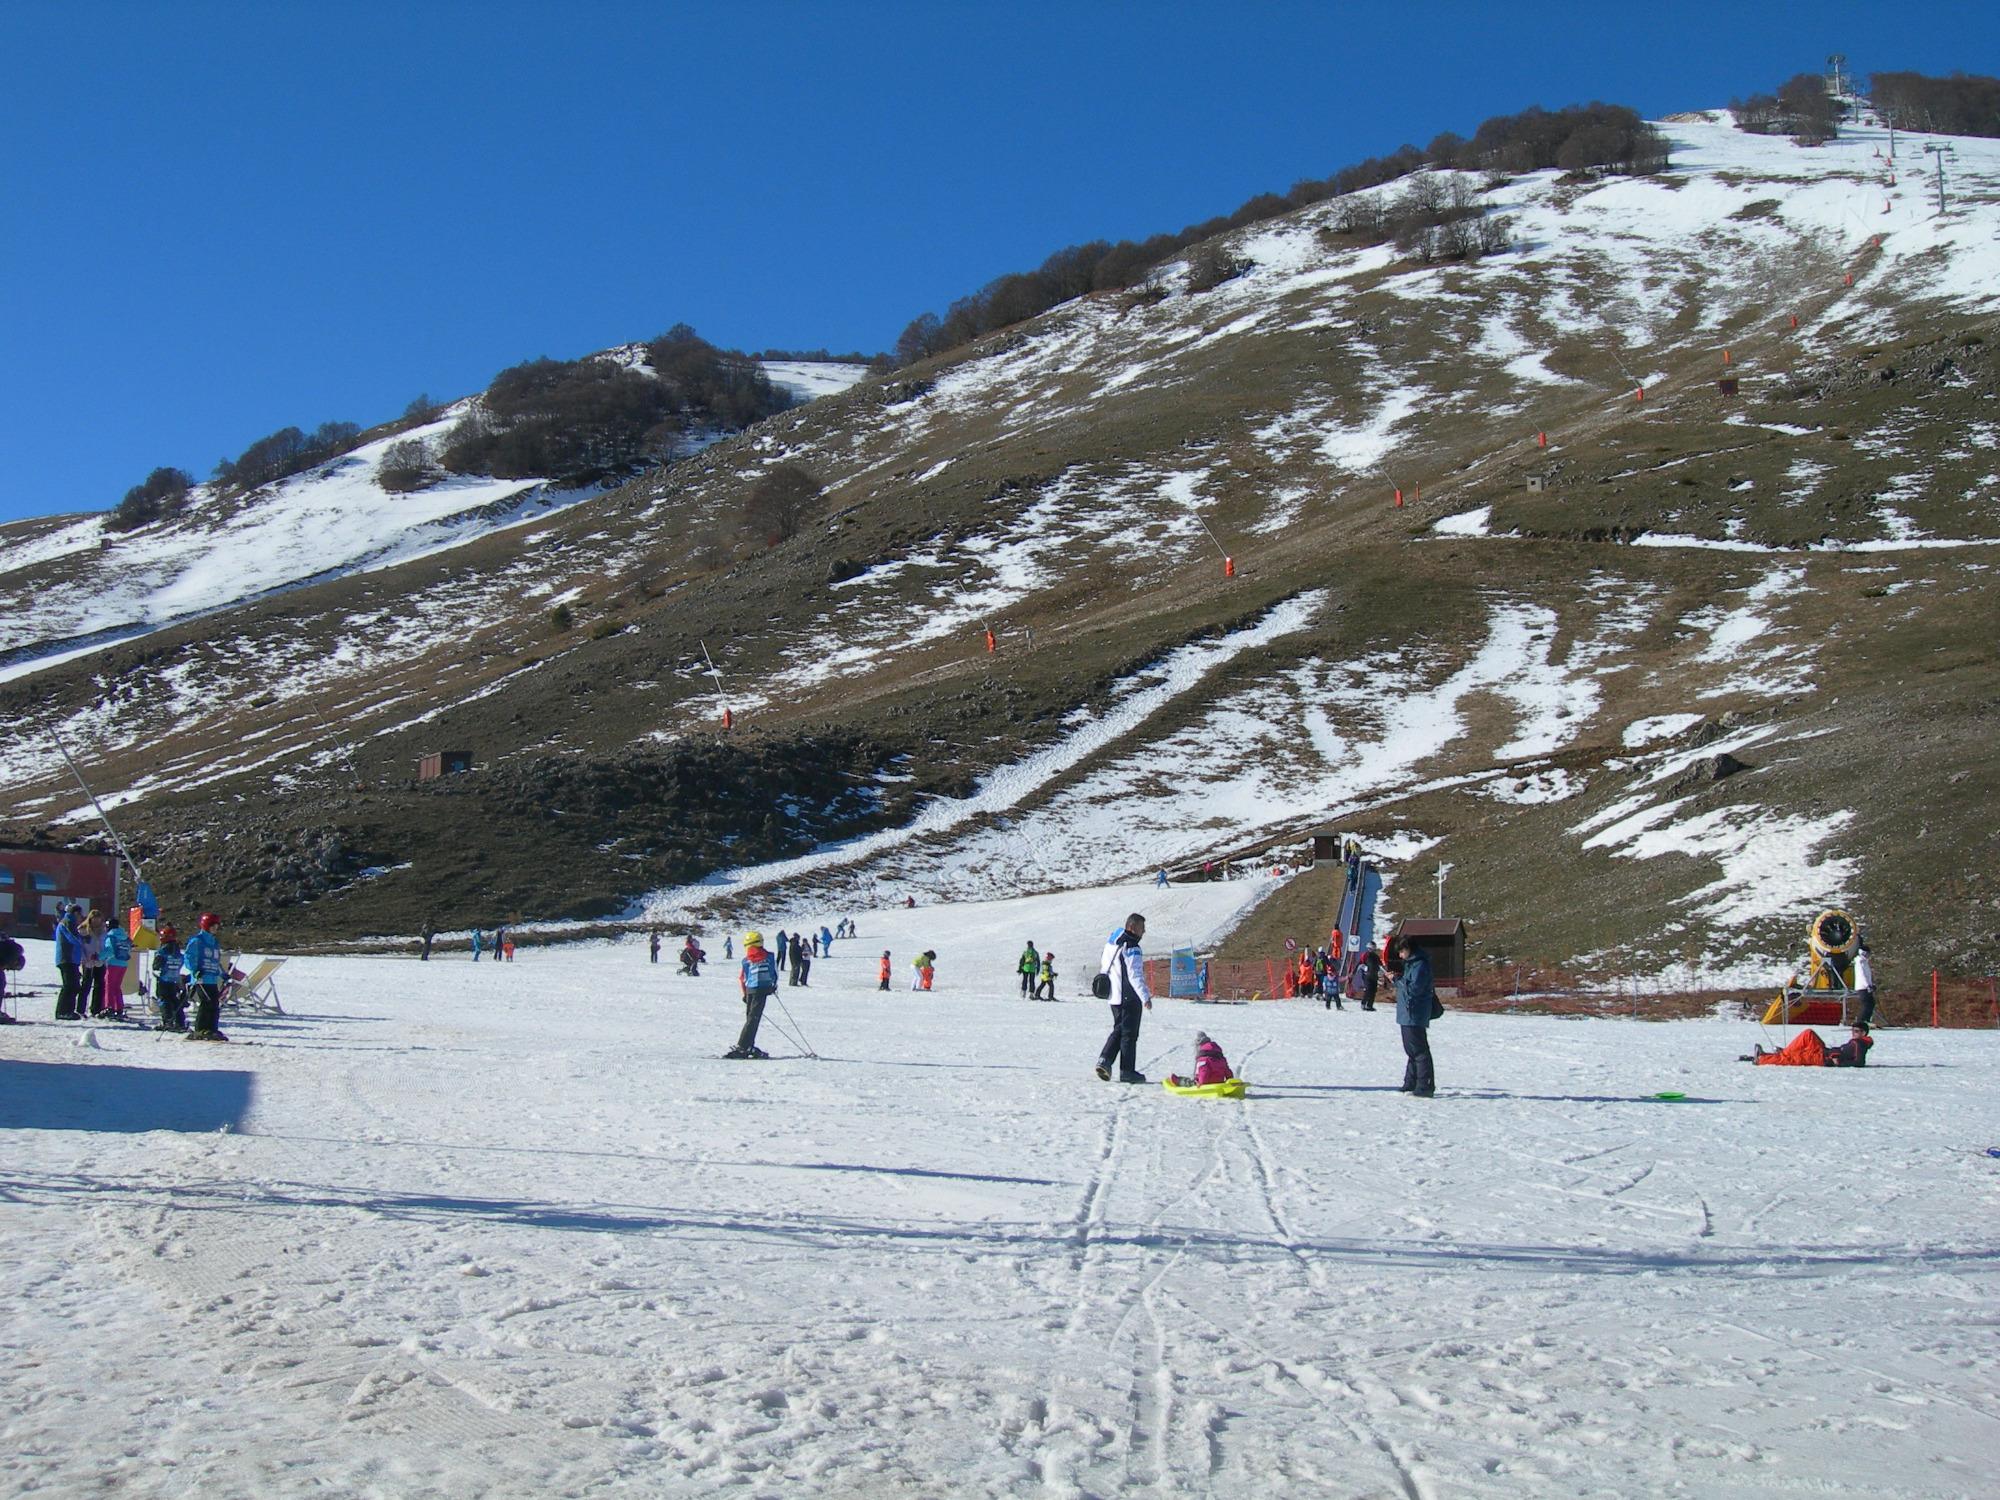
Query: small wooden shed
x,y
1442,941
443,763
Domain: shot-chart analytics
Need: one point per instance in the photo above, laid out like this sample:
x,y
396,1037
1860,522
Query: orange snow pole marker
x,y
1399,498
1640,394
1417,494
1725,356
1541,440
728,719
991,644
1848,280
1228,567
1795,320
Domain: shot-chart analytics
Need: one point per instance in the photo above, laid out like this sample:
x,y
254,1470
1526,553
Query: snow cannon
x,y
1831,941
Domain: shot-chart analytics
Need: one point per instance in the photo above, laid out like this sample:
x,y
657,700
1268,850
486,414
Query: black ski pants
x,y
1123,1043
753,1016
172,999
1867,999
207,1006
1418,1075
66,997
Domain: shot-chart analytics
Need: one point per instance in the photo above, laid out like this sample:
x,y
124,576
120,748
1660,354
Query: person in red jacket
x,y
885,971
1806,1050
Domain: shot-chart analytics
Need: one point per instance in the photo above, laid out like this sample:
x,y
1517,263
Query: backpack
x,y
13,957
1101,985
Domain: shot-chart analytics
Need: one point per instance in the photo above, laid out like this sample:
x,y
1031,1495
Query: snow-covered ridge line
x,y
1006,788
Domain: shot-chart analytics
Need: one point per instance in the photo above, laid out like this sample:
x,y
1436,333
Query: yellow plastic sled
x,y
1231,1088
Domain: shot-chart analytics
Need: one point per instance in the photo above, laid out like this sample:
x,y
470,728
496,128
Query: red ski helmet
x,y
210,921
167,932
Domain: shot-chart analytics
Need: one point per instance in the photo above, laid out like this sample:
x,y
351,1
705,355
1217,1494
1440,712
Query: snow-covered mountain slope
x,y
1479,670
79,583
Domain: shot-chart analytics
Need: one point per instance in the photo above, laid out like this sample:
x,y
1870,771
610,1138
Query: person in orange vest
x,y
885,971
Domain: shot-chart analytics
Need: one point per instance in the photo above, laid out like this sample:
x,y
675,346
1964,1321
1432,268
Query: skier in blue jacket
x,y
69,964
203,960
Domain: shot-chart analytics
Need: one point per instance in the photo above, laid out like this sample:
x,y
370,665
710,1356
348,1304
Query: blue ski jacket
x,y
203,957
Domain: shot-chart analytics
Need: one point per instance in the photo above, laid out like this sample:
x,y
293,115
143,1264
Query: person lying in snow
x,y
1210,1066
1806,1050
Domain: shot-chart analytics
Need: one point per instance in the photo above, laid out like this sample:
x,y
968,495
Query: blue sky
x,y
223,219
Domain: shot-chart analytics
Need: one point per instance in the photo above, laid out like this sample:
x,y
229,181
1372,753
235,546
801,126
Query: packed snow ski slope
x,y
451,1230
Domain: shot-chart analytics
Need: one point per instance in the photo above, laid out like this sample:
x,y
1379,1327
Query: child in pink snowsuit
x,y
1210,1066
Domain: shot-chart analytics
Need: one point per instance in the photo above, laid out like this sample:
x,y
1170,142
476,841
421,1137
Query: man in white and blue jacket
x,y
1125,966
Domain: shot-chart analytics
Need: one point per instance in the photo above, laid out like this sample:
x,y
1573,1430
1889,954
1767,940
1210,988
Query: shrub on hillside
x,y
730,389
406,466
1962,104
1211,265
578,420
1811,113
163,492
1802,109
286,452
779,501
1582,137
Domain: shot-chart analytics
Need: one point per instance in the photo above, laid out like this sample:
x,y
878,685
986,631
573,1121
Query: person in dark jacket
x,y
1416,1007
1371,977
1125,966
169,980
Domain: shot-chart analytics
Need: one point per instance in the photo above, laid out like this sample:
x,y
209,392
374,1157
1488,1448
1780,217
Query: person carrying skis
x,y
1031,968
758,979
205,970
1121,979
885,971
169,980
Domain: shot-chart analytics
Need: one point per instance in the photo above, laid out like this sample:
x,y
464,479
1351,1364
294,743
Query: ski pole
x,y
800,1039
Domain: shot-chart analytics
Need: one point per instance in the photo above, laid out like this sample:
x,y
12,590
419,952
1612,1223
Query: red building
x,y
34,881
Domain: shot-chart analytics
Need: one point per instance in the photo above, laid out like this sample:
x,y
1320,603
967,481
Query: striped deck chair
x,y
257,990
